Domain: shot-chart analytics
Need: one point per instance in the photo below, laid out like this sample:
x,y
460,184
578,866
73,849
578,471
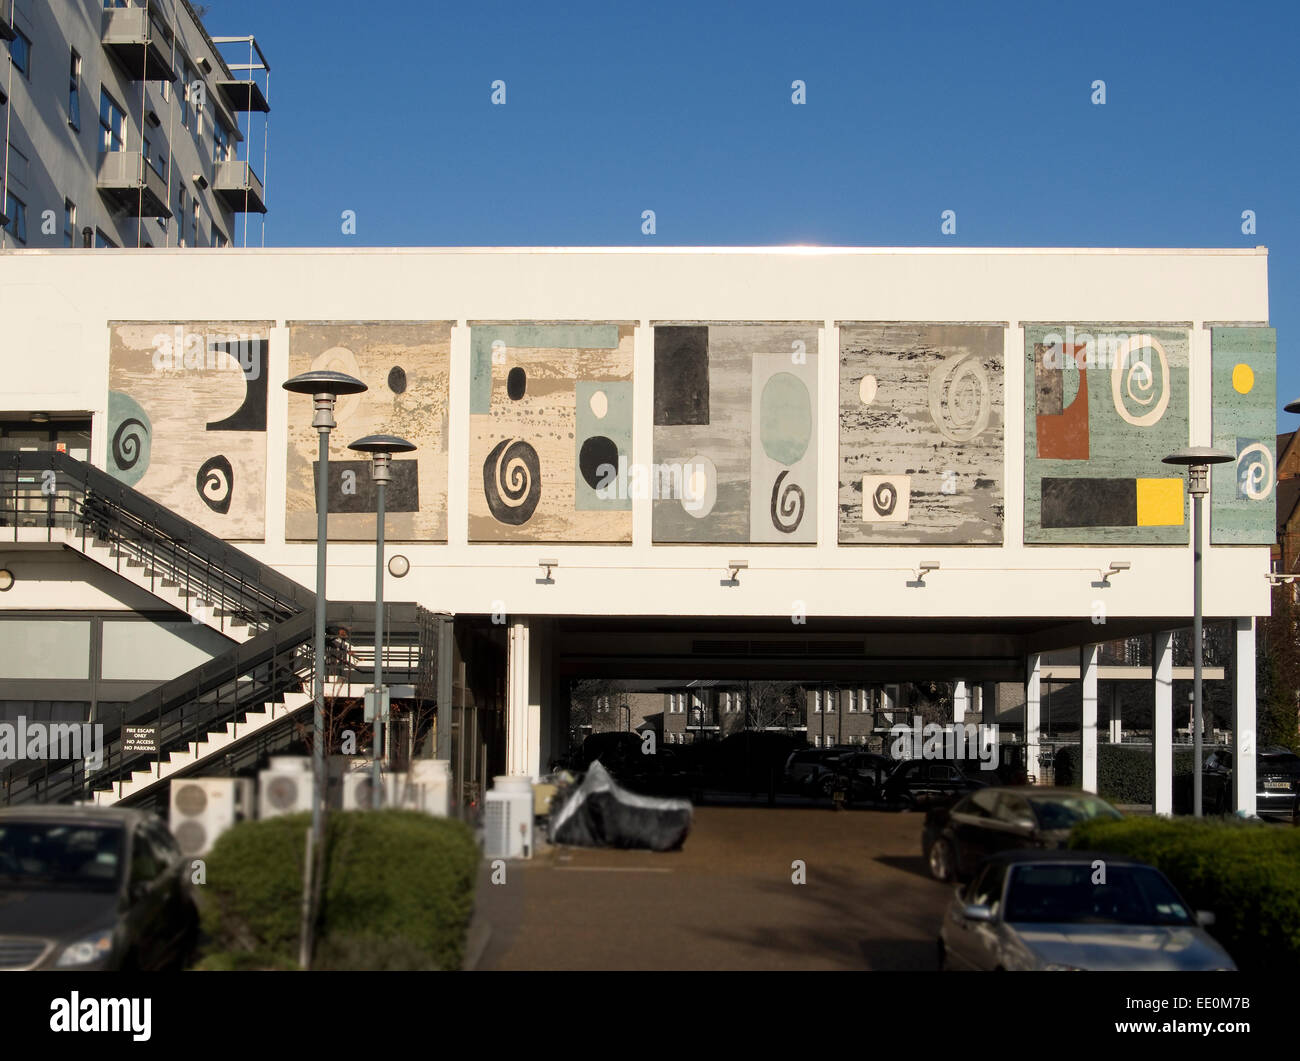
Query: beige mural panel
x,y
187,419
406,365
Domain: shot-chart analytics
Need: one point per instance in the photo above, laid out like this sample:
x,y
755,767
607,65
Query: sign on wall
x,y
1244,391
1104,404
187,419
921,433
406,366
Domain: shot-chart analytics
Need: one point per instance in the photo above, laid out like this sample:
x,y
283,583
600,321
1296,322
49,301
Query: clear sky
x,y
685,108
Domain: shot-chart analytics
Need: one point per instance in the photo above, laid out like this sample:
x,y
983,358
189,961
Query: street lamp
x,y
1197,461
381,449
325,388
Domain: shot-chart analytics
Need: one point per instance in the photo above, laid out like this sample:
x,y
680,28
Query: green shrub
x,y
398,892
1125,772
1247,873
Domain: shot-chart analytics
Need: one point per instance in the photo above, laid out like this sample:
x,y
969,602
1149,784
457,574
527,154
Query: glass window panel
x,y
45,648
148,651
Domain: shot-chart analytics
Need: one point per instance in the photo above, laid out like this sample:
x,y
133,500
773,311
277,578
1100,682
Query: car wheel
x,y
941,860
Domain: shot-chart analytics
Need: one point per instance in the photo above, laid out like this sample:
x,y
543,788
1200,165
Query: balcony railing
x,y
240,188
140,39
128,181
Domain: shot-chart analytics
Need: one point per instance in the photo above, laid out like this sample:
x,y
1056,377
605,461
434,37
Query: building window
x,y
74,91
70,223
830,701
112,124
853,696
185,96
16,211
20,48
103,241
220,144
817,693
218,240
182,210
195,230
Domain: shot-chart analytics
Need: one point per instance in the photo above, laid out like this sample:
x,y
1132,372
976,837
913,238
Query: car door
x,y
1014,823
975,944
970,820
177,915
149,895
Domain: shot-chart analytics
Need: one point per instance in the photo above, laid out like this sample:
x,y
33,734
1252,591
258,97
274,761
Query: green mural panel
x,y
1104,403
1244,388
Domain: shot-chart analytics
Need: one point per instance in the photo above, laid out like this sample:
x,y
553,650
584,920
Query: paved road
x,y
726,901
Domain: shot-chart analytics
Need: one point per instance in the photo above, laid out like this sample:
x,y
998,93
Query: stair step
x,y
138,563
171,583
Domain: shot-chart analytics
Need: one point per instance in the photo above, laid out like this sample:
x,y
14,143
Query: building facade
x,y
124,127
876,466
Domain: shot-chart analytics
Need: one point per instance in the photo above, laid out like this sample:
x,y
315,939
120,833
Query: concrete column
x,y
1243,715
523,708
1162,722
1033,707
1088,703
1116,722
960,701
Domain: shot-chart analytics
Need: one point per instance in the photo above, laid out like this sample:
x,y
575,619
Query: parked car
x,y
920,783
805,765
1277,782
858,774
954,839
1041,910
90,888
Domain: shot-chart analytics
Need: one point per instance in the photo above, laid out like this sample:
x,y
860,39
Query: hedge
x,y
398,893
1125,773
1247,873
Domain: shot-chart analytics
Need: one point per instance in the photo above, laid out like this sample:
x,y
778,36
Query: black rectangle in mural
x,y
1089,503
352,489
681,375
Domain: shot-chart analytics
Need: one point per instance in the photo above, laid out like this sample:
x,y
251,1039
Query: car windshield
x,y
60,854
1062,812
1065,893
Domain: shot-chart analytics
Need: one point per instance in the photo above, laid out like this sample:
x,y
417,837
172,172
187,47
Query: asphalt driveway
x,y
726,901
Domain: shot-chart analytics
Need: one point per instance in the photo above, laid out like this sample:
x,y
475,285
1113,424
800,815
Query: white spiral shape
x,y
1256,474
1136,382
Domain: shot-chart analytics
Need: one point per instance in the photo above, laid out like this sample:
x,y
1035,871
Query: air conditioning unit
x,y
428,787
358,790
508,818
284,787
202,808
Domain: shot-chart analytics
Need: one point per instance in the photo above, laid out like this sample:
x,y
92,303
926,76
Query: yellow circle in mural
x,y
1242,378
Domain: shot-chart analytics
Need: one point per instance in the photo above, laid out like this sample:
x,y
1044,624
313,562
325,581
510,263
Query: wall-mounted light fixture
x,y
549,580
399,566
6,579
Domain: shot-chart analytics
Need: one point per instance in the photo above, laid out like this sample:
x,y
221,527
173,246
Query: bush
x,y
398,892
1247,873
1125,773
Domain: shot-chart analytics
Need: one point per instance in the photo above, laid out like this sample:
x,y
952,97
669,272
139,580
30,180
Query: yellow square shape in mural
x,y
1160,502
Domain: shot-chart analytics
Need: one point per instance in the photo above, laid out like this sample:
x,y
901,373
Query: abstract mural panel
x,y
187,419
921,433
1244,390
550,432
735,438
406,366
1104,403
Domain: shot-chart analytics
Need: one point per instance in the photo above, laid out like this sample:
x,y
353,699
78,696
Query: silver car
x,y
1067,910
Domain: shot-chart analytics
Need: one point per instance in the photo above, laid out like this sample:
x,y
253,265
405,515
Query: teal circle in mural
x,y
129,438
785,418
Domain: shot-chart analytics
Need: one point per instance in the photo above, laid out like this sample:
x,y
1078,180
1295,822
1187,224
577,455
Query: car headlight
x,y
87,949
1057,968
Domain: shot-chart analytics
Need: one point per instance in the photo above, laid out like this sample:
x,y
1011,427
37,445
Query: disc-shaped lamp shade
x,y
325,382
382,444
1292,407
1195,455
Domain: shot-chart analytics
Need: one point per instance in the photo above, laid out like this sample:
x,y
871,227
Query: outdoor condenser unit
x,y
508,819
202,808
358,789
285,786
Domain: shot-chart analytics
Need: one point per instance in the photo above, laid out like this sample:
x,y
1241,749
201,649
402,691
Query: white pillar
x,y
1162,722
1243,715
523,707
1088,702
960,701
1033,703
1116,721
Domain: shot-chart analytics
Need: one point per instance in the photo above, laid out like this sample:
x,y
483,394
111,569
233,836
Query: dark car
x,y
859,775
955,839
920,783
1277,782
1051,910
89,888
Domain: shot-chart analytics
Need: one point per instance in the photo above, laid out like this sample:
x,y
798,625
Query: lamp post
x,y
325,388
381,449
1197,461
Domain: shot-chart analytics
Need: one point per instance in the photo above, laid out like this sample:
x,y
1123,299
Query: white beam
x,y
1033,706
960,700
1116,719
1243,716
1162,722
1088,678
521,740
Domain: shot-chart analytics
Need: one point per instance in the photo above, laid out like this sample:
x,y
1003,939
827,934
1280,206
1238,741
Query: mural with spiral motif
x,y
550,427
735,448
187,419
1244,386
921,434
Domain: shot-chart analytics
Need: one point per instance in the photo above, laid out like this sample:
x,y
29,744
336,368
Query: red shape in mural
x,y
1062,430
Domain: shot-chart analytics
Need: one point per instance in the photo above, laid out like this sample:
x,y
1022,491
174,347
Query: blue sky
x,y
684,109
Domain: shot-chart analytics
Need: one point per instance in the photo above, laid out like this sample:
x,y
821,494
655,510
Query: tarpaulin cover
x,y
600,813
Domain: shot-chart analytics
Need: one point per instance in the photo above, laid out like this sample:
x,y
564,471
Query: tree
x,y
1278,672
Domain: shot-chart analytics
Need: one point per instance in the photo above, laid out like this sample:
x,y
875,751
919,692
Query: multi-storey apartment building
x,y
122,127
